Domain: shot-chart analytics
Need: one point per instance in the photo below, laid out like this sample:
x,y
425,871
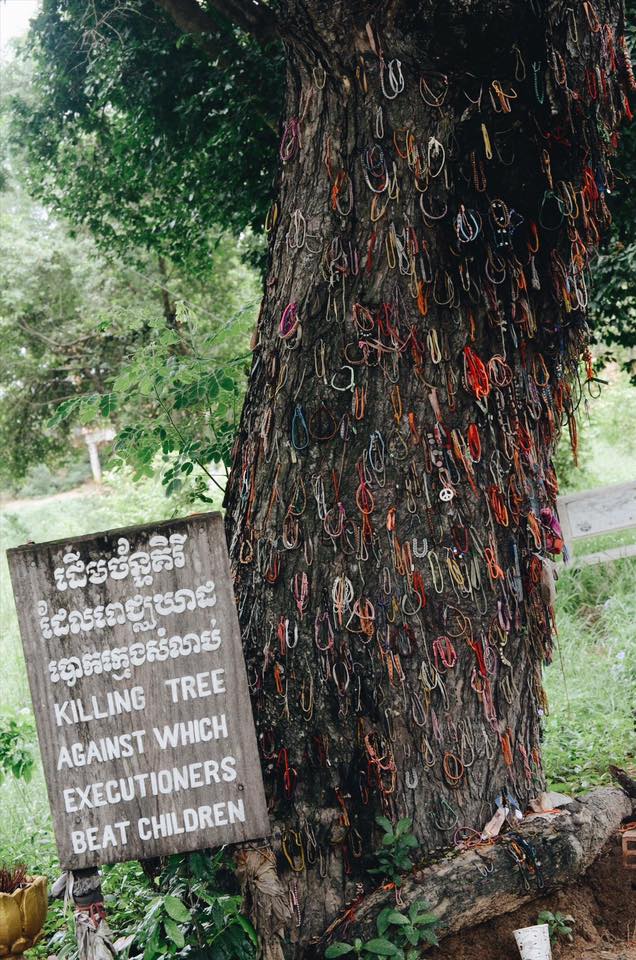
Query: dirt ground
x,y
603,904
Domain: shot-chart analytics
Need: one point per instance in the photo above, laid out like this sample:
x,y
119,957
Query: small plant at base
x,y
190,916
559,925
401,935
394,858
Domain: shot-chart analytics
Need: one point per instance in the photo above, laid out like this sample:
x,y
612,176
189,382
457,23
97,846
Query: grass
x,y
607,438
591,685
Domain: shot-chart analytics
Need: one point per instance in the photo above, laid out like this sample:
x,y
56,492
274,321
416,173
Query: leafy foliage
x,y
54,291
85,341
137,133
87,338
613,302
184,912
401,935
560,925
393,859
16,755
176,401
191,916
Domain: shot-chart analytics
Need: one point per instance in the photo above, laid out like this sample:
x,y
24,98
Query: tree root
x,y
485,881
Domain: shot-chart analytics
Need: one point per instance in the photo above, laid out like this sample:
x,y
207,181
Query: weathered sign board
x,y
140,692
608,509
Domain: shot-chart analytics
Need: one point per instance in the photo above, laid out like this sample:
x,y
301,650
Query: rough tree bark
x,y
444,169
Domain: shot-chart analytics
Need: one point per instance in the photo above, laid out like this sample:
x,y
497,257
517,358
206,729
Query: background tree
x,y
442,186
159,349
613,303
86,339
55,295
144,135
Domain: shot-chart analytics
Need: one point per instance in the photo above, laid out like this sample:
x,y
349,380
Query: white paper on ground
x,y
534,942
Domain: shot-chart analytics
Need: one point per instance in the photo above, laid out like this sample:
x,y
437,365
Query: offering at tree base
x,y
140,691
534,942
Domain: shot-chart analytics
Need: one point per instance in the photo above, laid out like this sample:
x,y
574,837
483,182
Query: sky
x,y
14,21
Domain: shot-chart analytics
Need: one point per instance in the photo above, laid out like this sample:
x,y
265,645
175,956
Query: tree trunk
x,y
391,508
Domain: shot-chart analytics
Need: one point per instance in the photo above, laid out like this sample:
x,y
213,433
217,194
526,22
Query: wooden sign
x,y
596,512
140,692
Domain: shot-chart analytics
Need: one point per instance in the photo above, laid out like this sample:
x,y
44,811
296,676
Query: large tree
x,y
443,180
443,173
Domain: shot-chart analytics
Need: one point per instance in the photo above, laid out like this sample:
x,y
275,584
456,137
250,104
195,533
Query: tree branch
x,y
254,18
484,882
55,344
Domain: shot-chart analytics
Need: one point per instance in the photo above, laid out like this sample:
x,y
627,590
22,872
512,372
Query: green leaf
x,y
418,905
381,948
425,919
88,411
154,906
173,486
338,950
107,404
382,921
174,932
151,949
176,909
398,919
410,841
207,898
386,824
64,410
430,936
245,924
411,935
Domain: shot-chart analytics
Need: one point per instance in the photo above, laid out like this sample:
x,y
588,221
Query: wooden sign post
x,y
140,692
